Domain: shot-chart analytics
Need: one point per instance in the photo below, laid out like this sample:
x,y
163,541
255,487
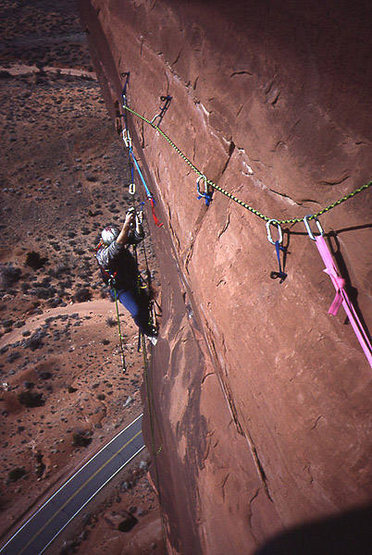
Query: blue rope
x,y
148,193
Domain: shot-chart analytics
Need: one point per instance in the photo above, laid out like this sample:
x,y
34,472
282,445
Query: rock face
x,y
260,401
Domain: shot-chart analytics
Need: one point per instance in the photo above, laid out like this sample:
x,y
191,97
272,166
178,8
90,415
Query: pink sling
x,y
341,297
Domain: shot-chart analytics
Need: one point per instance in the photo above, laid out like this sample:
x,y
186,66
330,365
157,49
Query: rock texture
x,y
260,401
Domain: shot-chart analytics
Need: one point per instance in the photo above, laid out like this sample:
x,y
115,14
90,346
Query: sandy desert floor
x,y
64,175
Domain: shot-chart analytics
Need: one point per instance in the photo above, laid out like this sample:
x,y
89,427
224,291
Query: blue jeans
x,y
135,306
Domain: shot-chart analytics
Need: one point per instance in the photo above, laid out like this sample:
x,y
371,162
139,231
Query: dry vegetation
x,y
64,175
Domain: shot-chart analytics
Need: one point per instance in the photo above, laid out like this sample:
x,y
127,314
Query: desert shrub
x,y
25,286
16,474
82,295
61,269
111,322
80,439
31,399
36,340
34,260
13,356
8,275
127,524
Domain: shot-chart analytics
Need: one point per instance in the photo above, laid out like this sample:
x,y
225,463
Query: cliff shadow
x,y
347,534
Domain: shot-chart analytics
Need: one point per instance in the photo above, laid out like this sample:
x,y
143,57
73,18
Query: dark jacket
x,y
118,266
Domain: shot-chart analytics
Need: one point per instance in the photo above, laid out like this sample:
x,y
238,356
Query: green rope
x,y
121,339
233,197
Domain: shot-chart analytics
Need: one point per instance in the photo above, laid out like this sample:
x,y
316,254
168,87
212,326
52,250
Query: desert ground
x,y
64,176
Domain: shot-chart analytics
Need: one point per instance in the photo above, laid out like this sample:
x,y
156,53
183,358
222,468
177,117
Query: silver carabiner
x,y
132,188
268,229
308,228
202,178
155,118
126,138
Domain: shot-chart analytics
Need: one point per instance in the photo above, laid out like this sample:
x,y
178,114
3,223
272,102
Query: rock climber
x,y
119,269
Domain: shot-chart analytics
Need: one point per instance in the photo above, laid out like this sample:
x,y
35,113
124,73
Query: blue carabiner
x,y
206,195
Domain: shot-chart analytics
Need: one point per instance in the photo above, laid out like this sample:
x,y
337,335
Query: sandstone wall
x,y
261,399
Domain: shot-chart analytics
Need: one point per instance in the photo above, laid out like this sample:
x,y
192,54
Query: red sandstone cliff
x,y
261,399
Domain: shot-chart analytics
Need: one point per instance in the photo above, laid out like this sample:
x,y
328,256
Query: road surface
x,y
39,531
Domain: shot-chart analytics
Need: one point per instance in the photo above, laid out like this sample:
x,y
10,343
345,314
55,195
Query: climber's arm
x,y
122,238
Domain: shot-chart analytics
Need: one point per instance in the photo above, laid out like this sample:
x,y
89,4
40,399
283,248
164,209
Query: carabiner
x,y
274,222
132,188
202,178
308,229
126,138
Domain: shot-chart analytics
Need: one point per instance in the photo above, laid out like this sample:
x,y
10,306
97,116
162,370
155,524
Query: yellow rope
x,y
233,197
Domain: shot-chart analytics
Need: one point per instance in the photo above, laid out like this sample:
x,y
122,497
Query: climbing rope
x,y
233,197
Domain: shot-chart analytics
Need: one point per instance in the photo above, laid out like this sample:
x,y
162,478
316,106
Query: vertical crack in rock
x,y
199,221
272,93
231,404
250,514
224,484
259,467
307,467
173,233
168,83
142,131
234,414
226,225
316,422
178,56
231,150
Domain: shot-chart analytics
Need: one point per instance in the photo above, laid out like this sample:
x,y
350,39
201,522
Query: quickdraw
x,y
278,248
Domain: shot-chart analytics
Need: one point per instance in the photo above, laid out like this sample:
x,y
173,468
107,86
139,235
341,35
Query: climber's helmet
x,y
109,234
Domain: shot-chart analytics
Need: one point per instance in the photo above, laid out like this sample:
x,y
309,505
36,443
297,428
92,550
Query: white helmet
x,y
109,234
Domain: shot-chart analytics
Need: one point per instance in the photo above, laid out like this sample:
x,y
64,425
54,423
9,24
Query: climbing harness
x,y
206,194
167,100
278,248
233,197
341,297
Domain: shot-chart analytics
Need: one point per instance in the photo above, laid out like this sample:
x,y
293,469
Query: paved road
x,y
46,523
